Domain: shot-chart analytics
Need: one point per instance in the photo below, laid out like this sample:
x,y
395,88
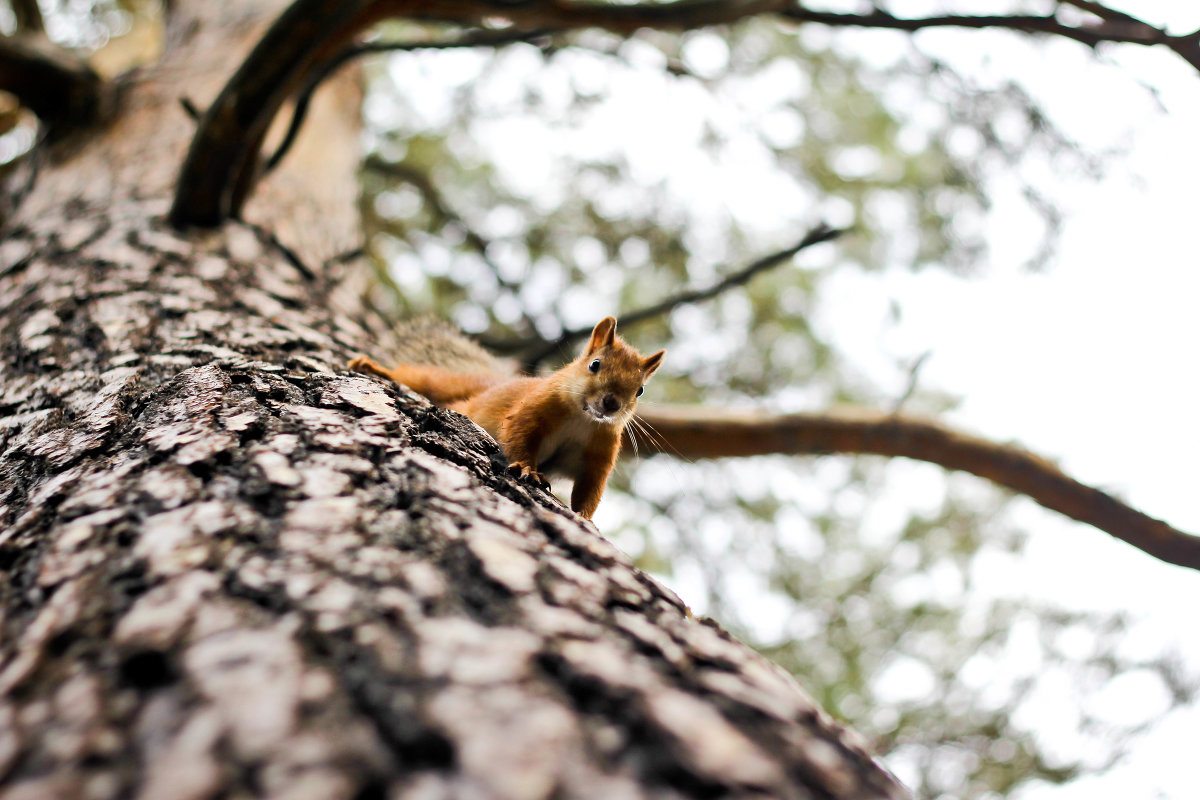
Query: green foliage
x,y
539,187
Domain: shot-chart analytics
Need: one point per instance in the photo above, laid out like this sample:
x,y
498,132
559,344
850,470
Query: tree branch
x,y
444,213
1109,30
1188,48
693,432
536,349
819,234
28,16
1100,10
223,162
468,40
626,19
52,82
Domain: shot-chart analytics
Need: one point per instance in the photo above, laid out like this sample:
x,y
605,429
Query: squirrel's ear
x,y
603,335
651,363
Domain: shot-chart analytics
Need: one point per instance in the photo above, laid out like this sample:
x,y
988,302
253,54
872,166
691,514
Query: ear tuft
x,y
603,335
652,362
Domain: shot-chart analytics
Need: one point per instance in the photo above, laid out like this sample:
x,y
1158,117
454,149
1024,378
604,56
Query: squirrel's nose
x,y
611,403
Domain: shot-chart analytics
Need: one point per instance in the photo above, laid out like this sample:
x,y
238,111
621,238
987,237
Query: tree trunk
x,y
235,569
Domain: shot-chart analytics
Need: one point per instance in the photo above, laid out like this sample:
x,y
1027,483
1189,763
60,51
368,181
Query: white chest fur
x,y
561,452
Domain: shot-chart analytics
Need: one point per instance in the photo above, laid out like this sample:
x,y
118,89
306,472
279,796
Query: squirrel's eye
x,y
594,366
639,391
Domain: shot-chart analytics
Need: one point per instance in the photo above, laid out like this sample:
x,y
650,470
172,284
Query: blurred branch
x,y
1113,26
52,82
693,432
819,234
1126,30
627,19
471,39
223,162
914,378
1099,10
443,213
28,16
535,350
1188,47
189,107
11,112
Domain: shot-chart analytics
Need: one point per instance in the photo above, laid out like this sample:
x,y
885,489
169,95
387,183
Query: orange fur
x,y
566,423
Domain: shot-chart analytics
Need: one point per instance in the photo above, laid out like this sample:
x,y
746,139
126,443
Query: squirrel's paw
x,y
529,474
364,364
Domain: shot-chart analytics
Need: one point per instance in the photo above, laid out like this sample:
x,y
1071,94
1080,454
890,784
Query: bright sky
x,y
1089,363
1092,363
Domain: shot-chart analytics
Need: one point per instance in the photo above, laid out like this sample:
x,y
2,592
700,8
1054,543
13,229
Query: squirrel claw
x,y
529,474
366,365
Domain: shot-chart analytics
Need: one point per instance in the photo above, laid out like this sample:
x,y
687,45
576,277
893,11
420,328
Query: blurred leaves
x,y
540,187
114,35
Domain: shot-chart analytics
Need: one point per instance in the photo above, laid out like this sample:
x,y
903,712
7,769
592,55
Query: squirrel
x,y
566,423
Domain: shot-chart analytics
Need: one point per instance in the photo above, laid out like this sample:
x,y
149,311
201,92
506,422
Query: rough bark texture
x,y
233,569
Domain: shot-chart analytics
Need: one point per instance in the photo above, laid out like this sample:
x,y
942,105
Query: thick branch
x,y
694,432
52,82
469,40
222,163
28,16
1188,48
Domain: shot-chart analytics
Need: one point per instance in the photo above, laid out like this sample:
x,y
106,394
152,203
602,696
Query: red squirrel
x,y
566,423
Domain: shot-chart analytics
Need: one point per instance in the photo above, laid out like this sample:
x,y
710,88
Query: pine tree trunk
x,y
234,569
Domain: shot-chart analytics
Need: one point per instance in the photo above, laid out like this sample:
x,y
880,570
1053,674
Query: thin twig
x,y
1091,34
626,19
444,214
914,378
344,257
1101,11
536,350
819,234
189,107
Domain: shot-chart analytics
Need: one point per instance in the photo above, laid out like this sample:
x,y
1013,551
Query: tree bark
x,y
235,569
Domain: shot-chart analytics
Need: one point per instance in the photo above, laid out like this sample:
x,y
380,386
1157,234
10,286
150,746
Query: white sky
x,y
1092,363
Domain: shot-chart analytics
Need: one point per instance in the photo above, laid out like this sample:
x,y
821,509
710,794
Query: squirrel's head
x,y
609,375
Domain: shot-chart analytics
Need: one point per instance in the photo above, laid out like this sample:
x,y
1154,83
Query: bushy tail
x,y
434,342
